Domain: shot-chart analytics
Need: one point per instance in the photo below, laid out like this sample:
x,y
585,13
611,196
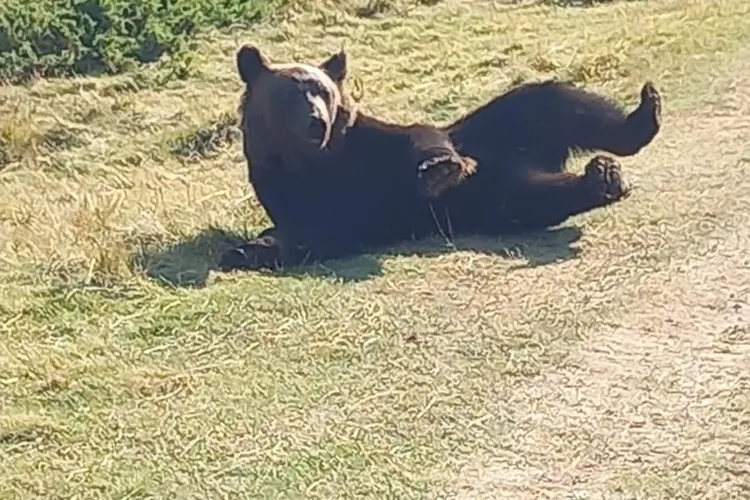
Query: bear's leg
x,y
600,125
269,250
274,249
544,199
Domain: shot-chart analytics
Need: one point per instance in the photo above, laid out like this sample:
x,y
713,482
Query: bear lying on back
x,y
336,182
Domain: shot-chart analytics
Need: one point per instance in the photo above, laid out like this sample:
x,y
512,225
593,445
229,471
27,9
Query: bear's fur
x,y
522,140
333,181
336,181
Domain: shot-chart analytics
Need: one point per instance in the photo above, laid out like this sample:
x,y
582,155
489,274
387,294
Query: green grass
x,y
532,368
63,38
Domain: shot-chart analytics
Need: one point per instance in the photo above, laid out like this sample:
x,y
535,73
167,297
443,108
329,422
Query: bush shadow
x,y
188,263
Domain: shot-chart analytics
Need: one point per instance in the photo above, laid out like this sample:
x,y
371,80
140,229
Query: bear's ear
x,y
250,63
336,66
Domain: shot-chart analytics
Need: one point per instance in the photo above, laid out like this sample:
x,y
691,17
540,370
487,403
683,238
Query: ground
x,y
608,358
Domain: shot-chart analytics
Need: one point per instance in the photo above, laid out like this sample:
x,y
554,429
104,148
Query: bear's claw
x,y
443,172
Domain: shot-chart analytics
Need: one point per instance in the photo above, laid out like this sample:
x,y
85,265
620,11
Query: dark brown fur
x,y
378,183
522,140
363,189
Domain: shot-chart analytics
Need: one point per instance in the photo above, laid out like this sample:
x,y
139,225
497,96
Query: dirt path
x,y
657,404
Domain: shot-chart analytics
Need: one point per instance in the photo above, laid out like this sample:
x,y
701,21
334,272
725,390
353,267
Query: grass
x,y
608,356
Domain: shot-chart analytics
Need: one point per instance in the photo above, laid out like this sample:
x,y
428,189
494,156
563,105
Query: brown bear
x,y
333,181
336,182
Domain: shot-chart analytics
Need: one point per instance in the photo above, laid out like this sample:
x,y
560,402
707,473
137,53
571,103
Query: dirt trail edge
x,y
656,405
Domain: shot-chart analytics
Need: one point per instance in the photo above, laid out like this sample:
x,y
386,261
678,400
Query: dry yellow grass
x,y
605,359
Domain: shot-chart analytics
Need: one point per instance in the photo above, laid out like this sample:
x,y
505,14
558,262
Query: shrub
x,y
66,37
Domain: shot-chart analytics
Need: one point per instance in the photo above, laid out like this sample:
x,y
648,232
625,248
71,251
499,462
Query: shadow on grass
x,y
189,262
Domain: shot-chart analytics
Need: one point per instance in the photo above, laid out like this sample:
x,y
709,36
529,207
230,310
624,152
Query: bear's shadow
x,y
189,263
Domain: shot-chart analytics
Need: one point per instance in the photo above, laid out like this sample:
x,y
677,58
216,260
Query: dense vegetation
x,y
65,37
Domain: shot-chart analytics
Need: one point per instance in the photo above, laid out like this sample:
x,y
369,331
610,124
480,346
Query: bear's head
x,y
296,106
297,111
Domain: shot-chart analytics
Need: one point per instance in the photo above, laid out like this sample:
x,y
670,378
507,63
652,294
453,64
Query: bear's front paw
x,y
258,254
440,173
603,176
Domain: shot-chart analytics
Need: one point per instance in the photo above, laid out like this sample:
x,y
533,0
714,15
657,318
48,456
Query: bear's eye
x,y
314,87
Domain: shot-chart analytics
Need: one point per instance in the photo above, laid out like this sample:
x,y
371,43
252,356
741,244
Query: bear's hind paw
x,y
603,175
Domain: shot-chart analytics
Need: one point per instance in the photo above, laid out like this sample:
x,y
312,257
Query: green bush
x,y
66,37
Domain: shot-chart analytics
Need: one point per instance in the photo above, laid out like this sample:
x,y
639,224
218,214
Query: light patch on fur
x,y
317,74
431,162
321,112
341,110
440,173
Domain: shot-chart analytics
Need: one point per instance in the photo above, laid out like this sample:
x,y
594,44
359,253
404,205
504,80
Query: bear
x,y
336,181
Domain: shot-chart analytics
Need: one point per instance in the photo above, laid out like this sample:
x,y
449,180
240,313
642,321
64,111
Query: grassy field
x,y
608,358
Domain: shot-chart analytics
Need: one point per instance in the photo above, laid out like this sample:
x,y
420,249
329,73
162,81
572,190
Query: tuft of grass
x,y
577,3
21,142
592,359
206,141
17,137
